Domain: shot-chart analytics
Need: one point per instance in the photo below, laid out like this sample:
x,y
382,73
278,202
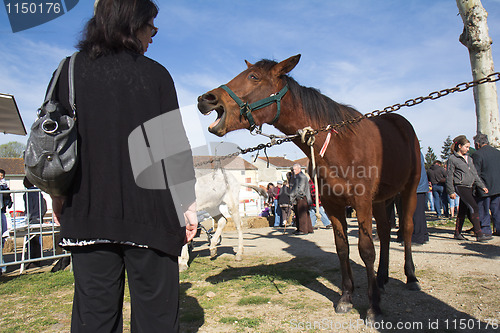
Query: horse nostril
x,y
209,98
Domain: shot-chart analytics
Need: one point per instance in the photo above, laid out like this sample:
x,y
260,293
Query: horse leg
x,y
384,234
409,203
184,258
367,253
342,245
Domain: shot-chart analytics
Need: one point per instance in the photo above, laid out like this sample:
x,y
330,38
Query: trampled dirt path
x,y
460,280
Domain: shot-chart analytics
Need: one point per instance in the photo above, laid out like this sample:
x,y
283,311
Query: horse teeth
x,y
209,112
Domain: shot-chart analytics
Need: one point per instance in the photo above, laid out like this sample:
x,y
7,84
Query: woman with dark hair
x,y
131,205
462,175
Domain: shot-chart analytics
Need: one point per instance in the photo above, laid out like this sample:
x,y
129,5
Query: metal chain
x,y
494,77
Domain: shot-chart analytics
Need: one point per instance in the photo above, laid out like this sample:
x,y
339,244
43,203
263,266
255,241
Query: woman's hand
x,y
57,204
191,220
485,190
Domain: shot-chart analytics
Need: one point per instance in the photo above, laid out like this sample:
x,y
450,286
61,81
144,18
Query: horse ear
x,y
248,64
286,65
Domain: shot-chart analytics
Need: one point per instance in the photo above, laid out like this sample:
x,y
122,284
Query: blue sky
x,y
368,54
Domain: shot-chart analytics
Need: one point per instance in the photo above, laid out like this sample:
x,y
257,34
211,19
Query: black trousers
x,y
420,233
99,272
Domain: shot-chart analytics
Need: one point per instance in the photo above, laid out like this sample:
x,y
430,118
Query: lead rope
x,y
307,135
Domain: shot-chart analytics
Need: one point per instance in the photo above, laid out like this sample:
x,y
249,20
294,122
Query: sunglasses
x,y
154,30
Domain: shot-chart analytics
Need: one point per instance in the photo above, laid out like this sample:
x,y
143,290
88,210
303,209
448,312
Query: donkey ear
x,y
248,64
286,66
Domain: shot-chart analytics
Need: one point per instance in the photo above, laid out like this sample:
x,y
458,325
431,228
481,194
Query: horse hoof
x,y
374,316
239,257
343,307
213,253
183,267
415,286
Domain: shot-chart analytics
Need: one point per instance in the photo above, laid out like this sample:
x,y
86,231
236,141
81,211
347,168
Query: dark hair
x,y
481,139
438,162
115,25
459,140
2,171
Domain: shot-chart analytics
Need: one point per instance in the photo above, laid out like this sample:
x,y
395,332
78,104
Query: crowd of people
x,y
468,184
291,202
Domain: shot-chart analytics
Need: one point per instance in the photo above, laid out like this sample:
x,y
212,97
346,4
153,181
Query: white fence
x,y
28,230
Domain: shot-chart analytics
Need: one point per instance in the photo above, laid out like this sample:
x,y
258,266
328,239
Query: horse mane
x,y
322,109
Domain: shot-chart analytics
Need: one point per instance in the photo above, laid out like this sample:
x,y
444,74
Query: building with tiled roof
x,y
304,162
244,171
14,171
273,168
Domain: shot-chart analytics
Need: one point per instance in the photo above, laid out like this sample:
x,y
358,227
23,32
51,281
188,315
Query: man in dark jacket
x,y
437,176
301,197
487,161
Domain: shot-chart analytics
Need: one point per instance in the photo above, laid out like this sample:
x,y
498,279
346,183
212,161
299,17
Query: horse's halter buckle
x,y
246,109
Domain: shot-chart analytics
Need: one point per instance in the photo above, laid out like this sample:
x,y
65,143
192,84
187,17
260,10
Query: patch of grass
x,y
245,322
253,300
37,284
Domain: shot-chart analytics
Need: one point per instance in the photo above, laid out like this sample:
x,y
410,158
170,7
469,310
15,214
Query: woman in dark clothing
x,y
131,206
462,175
284,199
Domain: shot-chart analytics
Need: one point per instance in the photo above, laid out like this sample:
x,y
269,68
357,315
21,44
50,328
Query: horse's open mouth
x,y
219,122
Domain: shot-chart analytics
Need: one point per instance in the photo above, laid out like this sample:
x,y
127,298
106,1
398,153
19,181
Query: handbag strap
x,y
71,82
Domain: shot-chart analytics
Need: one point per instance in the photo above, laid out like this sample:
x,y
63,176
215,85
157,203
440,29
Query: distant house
x,y
304,163
273,171
244,172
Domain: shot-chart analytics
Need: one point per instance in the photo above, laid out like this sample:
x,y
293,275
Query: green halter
x,y
246,109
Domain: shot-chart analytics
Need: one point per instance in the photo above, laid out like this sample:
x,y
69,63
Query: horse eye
x,y
253,77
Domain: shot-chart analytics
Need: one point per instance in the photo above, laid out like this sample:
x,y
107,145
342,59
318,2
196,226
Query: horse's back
x,y
400,154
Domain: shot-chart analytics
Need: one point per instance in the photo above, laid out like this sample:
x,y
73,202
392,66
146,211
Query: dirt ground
x,y
459,281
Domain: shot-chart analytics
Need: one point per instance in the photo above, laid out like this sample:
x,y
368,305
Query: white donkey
x,y
214,189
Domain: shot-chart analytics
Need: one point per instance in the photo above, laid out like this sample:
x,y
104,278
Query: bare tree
x,y
476,38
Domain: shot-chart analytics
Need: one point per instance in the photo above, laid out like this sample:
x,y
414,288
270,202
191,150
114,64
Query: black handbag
x,y
50,158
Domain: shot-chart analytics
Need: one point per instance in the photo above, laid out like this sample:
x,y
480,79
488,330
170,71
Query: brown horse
x,y
365,164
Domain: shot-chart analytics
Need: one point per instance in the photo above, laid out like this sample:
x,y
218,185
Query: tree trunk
x,y
475,37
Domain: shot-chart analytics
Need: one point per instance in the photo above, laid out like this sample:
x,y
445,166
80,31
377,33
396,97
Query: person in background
x,y
487,163
131,205
270,197
453,203
5,202
300,196
462,175
312,210
277,208
437,176
430,199
420,234
284,199
35,207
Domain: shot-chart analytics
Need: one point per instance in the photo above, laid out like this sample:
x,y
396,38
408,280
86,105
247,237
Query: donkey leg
x,y
184,258
221,223
235,213
367,253
409,203
384,234
342,246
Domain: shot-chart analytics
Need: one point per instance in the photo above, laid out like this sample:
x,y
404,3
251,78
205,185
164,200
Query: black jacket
x,y
114,196
487,163
300,189
436,175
